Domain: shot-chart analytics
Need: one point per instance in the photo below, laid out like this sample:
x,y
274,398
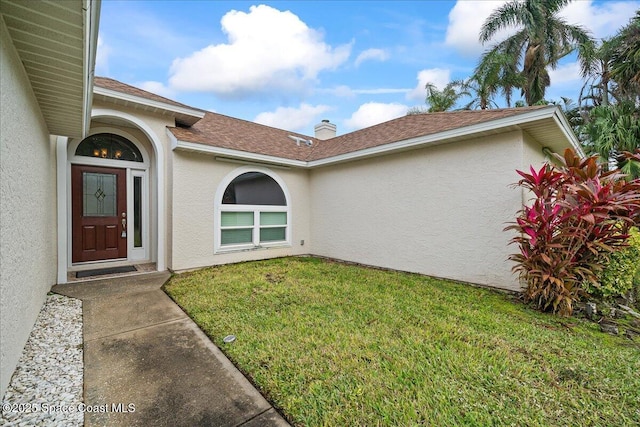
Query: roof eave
x,y
186,116
517,122
226,153
567,130
56,43
488,127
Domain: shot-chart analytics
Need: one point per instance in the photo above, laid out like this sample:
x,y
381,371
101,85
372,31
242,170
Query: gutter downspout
x,y
91,12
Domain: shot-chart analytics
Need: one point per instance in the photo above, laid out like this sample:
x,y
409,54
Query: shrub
x,y
622,274
579,215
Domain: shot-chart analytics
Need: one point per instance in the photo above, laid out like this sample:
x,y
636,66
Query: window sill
x,y
252,248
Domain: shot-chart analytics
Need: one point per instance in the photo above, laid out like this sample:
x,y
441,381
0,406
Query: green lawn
x,y
342,345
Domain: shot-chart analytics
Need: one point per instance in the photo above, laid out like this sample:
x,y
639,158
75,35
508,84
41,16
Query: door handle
x,y
124,225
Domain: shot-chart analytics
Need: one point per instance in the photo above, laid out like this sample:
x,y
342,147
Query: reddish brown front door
x,y
99,206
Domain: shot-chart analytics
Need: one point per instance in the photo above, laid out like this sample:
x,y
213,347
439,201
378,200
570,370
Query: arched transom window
x,y
253,213
109,146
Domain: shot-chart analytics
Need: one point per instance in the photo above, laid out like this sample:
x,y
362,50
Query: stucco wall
x,y
438,211
195,181
532,154
27,209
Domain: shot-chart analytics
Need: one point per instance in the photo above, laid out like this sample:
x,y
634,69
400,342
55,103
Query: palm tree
x,y
612,130
541,40
445,99
613,68
612,120
482,89
597,88
497,72
625,58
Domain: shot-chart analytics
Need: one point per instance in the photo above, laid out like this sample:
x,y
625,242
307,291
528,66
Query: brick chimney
x,y
325,130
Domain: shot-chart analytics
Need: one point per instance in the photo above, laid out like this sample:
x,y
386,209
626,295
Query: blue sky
x,y
292,64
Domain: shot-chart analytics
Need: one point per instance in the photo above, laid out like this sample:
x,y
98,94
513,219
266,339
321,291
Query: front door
x,y
99,206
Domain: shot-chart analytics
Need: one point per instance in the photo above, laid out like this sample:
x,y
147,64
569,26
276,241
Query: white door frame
x,y
132,169
154,212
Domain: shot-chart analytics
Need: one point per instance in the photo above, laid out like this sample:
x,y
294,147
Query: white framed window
x,y
138,215
252,211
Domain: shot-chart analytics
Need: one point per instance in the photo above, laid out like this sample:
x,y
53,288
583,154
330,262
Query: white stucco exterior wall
x,y
532,154
438,211
195,180
27,209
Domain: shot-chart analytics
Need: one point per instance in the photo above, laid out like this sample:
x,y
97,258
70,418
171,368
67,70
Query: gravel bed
x,y
46,387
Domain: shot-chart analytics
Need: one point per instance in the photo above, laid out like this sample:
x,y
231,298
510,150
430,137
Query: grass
x,y
331,344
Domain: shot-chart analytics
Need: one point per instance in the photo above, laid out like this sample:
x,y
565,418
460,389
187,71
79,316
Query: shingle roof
x,y
410,126
222,131
115,85
227,132
217,130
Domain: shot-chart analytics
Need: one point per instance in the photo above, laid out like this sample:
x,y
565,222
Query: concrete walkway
x,y
146,363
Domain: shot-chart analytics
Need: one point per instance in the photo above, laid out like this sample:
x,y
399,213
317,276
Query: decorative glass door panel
x,y
99,194
99,213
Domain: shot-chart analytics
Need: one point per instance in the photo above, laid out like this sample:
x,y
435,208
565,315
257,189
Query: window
x,y
137,211
99,194
253,213
109,146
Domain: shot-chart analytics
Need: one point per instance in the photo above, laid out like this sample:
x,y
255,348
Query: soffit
x,y
549,134
49,38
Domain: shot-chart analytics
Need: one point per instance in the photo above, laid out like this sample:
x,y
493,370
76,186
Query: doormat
x,y
102,271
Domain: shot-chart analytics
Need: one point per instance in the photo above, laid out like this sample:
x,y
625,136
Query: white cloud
x,y
438,76
267,50
566,73
381,91
344,91
102,57
293,119
158,88
372,54
465,21
565,82
603,19
372,113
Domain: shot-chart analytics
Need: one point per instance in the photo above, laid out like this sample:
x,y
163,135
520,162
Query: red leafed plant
x,y
579,215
